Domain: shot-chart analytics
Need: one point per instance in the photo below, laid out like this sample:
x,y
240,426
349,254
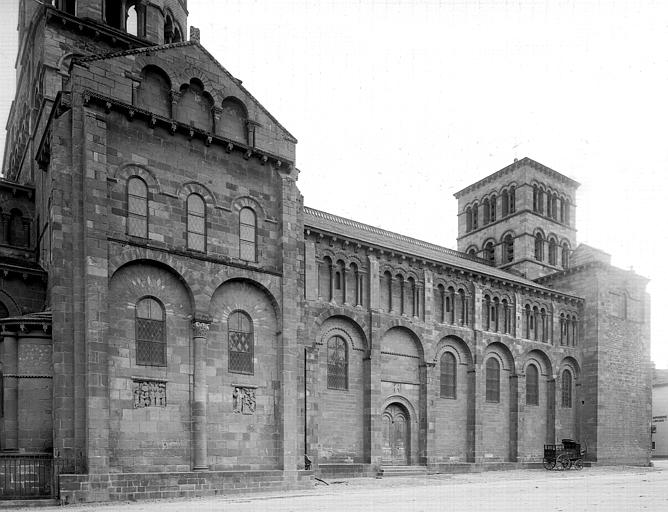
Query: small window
x,y
247,230
538,247
508,249
492,380
566,389
240,343
137,208
196,223
532,385
448,375
150,333
337,363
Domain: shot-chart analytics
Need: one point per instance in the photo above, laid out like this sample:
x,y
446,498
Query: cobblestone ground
x,y
592,489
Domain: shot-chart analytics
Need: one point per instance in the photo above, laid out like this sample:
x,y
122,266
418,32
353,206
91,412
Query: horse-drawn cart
x,y
566,455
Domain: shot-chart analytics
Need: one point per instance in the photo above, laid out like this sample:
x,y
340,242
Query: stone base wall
x,y
141,486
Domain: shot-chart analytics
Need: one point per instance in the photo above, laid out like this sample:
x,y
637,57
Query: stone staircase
x,y
405,471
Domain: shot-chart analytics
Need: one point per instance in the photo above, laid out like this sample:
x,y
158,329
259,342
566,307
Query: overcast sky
x,y
398,104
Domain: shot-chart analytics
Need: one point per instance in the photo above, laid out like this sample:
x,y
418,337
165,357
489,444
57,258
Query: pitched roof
x,y
387,239
518,163
165,47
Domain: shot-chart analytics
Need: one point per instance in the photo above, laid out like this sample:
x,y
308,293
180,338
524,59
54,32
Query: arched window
x,y
505,317
485,211
450,305
247,240
241,345
137,207
541,200
172,33
150,333
538,247
548,211
544,326
411,297
536,193
528,322
448,376
475,216
386,291
154,91
511,200
564,255
489,252
532,385
492,208
325,279
469,219
440,302
234,120
463,308
472,251
567,389
554,206
112,14
492,380
552,251
566,211
337,363
508,249
196,223
494,315
486,305
132,21
504,203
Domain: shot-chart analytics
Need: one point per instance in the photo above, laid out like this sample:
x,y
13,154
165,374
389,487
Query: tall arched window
x,y
485,211
536,192
554,206
532,385
552,251
337,363
448,376
196,223
241,345
567,389
508,249
492,208
440,302
566,210
511,200
469,219
504,203
450,305
472,251
489,252
150,333
463,307
492,380
486,305
475,216
538,247
386,291
548,211
247,240
564,255
137,207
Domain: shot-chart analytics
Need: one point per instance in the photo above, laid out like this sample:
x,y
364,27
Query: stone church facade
x,y
175,318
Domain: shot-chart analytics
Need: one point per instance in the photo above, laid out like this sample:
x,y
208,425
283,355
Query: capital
x,y
200,329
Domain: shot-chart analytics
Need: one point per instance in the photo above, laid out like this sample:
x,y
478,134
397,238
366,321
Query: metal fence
x,y
25,476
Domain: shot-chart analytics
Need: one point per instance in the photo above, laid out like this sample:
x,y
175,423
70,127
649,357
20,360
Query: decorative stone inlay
x,y
243,400
149,393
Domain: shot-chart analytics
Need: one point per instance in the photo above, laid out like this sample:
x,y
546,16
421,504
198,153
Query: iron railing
x,y
36,475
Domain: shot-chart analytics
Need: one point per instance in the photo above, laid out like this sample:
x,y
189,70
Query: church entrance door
x,y
396,444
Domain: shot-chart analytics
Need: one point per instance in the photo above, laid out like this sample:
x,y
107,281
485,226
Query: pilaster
x,y
200,393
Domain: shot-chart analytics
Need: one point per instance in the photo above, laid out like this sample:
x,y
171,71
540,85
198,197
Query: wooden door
x,y
395,436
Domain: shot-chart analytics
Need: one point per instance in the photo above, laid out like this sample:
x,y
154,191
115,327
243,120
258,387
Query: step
x,y
403,471
44,502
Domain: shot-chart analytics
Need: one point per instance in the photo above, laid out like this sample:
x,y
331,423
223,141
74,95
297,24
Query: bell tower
x,y
51,34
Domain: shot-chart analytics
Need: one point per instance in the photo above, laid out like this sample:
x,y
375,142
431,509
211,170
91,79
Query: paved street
x,y
593,489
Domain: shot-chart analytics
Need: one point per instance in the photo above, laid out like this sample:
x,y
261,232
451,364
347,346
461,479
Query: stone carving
x,y
149,393
200,329
397,387
243,400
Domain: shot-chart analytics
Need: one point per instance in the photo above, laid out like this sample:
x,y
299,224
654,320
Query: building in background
x,y
172,310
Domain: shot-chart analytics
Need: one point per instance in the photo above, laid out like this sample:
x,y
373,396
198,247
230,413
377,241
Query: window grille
x,y
240,343
150,333
196,223
532,385
247,234
137,208
448,376
337,363
492,380
566,389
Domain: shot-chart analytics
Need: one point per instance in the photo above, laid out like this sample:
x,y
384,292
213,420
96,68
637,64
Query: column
x,y
9,438
200,459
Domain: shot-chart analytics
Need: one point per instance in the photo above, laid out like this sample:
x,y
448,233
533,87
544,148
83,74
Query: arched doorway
x,y
396,435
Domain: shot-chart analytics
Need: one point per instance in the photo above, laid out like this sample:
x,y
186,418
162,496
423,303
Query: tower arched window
x,y
548,211
137,207
492,208
462,306
469,219
475,216
508,248
441,300
552,251
448,376
566,210
472,251
532,385
241,345
565,252
566,389
450,305
511,200
492,380
504,203
247,234
486,312
555,205
541,200
196,223
337,363
489,252
536,192
538,247
485,212
150,333
386,291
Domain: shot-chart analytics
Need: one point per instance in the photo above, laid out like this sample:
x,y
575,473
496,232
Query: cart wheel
x,y
563,462
578,464
548,463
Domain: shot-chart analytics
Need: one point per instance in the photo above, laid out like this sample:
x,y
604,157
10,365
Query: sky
x,y
397,104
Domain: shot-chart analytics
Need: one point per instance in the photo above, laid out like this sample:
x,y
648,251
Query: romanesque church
x,y
175,322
